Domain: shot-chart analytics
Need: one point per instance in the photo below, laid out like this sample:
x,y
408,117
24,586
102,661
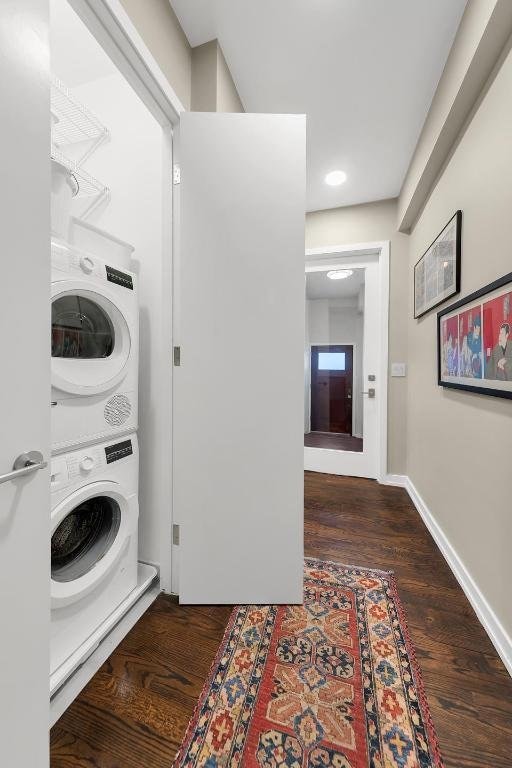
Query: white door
x,y
24,383
238,393
371,460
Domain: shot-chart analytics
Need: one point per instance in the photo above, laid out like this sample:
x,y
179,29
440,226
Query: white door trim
x,y
109,23
356,255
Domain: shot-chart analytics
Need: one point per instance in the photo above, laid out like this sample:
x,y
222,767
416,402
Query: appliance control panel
x,y
70,467
73,262
118,451
80,465
119,278
83,464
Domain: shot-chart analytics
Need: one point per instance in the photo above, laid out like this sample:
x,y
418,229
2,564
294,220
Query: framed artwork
x,y
474,341
437,273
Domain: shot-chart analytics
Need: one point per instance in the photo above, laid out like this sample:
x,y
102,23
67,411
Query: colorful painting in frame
x,y
474,341
437,273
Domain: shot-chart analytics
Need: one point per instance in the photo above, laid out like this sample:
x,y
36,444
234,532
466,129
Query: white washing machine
x,y
94,522
95,329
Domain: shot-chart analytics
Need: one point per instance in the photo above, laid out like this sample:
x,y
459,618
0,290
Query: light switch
x,y
398,369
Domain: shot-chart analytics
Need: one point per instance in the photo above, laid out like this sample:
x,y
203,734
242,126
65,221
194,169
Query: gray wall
x,y
460,444
158,26
200,76
213,89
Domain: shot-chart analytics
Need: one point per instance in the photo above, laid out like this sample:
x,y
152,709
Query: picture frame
x,y
437,271
474,341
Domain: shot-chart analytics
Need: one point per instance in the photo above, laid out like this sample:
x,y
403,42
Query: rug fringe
x,y
378,571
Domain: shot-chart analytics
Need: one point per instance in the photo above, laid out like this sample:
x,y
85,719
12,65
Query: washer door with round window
x,y
91,339
90,531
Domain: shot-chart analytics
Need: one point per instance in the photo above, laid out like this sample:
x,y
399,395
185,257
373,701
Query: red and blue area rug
x,y
332,683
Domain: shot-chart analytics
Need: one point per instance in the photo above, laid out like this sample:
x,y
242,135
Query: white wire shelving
x,y
77,133
75,124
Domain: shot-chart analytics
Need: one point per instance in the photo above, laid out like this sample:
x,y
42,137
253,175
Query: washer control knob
x,y
87,264
87,463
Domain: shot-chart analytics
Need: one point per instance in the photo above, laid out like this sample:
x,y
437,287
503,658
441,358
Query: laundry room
x,y
111,209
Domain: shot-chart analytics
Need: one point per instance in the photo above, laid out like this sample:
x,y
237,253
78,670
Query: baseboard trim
x,y
490,622
398,480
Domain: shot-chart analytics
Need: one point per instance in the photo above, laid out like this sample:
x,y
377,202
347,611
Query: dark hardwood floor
x,y
333,440
134,712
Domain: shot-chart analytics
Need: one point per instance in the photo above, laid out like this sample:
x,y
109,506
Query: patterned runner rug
x,y
329,684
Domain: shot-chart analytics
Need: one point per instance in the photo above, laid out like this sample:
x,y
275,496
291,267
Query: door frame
x,y
357,255
334,344
113,29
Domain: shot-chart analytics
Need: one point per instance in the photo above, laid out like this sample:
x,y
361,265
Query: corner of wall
x,y
228,98
213,88
204,77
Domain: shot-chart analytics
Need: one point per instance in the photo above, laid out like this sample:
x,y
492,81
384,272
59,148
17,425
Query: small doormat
x,y
332,683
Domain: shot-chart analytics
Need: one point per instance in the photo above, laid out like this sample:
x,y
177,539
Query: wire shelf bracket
x,y
73,124
78,132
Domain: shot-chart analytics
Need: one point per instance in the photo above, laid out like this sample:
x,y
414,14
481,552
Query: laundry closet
x,y
110,343
153,373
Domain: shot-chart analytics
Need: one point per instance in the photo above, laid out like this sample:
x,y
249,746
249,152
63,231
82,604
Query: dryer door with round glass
x,y
90,531
91,339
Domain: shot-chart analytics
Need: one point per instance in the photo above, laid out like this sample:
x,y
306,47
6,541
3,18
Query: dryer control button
x,y
87,463
87,264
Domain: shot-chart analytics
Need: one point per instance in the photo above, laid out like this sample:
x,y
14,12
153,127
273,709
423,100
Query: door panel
x,y
238,393
25,383
331,388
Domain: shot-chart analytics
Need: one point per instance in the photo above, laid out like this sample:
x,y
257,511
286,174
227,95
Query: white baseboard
x,y
490,622
399,480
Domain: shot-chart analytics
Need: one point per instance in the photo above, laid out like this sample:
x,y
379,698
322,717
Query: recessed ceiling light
x,y
334,178
340,274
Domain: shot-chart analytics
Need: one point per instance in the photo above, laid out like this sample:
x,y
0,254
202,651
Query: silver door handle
x,y
24,465
370,392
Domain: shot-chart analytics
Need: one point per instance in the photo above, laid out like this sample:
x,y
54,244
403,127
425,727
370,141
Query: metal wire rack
x,y
87,184
78,131
74,123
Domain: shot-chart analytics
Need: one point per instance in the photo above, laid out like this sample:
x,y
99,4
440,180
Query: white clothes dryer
x,y
94,344
94,524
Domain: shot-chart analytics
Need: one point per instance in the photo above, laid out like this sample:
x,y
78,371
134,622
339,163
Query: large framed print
x,y
474,341
437,273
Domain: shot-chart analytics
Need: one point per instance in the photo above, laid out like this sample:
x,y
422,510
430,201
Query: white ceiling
x,y
319,286
364,72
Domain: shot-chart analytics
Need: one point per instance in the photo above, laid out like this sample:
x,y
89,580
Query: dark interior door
x,y
331,388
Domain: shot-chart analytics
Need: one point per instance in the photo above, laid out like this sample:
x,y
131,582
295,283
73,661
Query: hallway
x,y
135,711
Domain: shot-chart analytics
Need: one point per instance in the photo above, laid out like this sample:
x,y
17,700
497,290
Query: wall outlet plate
x,y
398,369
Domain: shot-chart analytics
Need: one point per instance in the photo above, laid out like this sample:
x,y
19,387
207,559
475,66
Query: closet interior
x,y
110,345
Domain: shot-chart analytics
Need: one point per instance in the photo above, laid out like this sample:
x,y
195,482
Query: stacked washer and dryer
x,y
94,468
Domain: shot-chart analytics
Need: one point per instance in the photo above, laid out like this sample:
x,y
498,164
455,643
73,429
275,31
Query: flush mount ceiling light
x,y
340,274
335,178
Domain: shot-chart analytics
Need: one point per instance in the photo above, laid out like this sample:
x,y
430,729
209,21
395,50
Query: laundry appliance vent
x,y
117,410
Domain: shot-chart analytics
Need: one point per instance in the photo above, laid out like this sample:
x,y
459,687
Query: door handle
x,y
370,393
24,465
